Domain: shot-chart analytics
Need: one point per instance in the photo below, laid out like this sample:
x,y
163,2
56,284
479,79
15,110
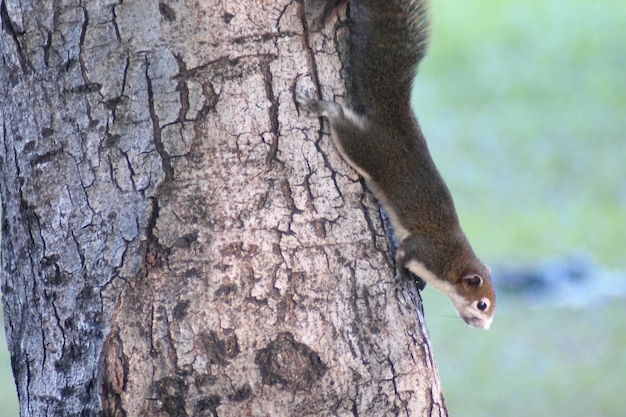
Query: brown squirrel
x,y
381,139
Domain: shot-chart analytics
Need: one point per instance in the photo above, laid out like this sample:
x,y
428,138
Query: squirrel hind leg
x,y
318,108
334,112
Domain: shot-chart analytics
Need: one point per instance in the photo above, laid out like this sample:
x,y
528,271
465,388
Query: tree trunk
x,y
176,239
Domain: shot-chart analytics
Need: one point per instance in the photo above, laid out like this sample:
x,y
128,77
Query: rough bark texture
x,y
176,239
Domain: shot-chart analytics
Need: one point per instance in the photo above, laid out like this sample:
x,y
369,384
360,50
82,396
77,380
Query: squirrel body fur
x,y
379,136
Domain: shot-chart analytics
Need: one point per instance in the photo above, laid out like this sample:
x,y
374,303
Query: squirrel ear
x,y
473,280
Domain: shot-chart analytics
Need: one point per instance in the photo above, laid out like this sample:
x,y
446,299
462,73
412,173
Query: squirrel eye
x,y
481,305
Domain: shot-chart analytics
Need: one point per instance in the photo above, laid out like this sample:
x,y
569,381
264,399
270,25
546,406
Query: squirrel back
x,y
388,39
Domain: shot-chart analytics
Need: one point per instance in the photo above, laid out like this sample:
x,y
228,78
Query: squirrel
x,y
379,136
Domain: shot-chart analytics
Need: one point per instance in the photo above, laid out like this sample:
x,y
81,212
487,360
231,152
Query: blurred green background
x,y
524,107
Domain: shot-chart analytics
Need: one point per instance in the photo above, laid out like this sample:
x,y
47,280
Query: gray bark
x,y
176,239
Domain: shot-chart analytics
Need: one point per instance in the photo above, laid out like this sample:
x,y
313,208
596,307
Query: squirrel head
x,y
474,297
453,268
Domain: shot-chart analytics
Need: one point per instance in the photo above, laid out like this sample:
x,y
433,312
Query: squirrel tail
x,y
388,39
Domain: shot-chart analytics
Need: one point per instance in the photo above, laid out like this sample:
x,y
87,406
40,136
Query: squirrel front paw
x,y
404,274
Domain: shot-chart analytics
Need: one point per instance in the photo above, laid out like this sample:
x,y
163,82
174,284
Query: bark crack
x,y
87,87
182,88
112,103
370,225
156,256
11,29
130,169
81,255
272,112
436,407
60,325
47,46
166,164
114,22
309,49
307,186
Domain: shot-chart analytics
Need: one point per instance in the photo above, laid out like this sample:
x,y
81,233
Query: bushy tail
x,y
388,39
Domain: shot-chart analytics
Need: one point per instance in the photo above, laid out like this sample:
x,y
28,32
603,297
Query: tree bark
x,y
176,239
